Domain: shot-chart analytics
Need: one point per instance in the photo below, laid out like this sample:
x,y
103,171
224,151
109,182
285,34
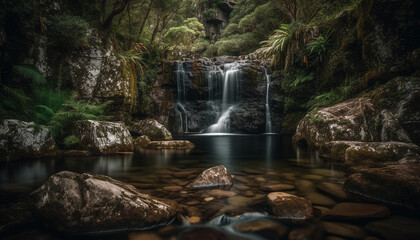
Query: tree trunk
x,y
145,17
115,12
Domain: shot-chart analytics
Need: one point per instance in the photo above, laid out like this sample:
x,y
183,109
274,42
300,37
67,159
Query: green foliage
x,y
237,44
73,110
324,100
29,72
318,47
185,35
71,141
68,31
201,45
284,43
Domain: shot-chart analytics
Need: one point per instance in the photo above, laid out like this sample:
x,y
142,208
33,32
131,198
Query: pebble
x,y
240,201
332,189
312,177
265,228
319,199
395,227
248,194
172,188
305,186
221,193
209,199
191,203
344,230
277,187
348,211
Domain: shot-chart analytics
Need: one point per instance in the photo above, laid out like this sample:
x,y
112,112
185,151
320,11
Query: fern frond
x,y
29,72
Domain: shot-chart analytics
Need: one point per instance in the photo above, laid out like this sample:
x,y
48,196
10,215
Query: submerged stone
x,y
277,187
394,183
344,230
288,206
262,227
90,203
395,227
213,177
332,189
347,211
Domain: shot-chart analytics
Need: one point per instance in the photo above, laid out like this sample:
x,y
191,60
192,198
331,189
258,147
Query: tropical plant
x,y
284,44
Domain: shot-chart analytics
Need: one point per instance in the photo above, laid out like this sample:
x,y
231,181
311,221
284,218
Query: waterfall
x,y
232,87
267,104
181,79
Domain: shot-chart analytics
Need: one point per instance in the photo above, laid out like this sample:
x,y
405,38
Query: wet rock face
x,y
202,92
102,137
390,114
213,177
19,139
89,203
151,128
288,206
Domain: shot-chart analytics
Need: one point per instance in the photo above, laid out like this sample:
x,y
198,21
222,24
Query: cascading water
x,y
232,87
181,79
267,104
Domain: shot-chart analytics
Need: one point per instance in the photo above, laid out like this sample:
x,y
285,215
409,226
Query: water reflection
x,y
110,164
266,152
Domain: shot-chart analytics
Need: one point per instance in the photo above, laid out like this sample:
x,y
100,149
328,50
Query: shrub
x,y
71,141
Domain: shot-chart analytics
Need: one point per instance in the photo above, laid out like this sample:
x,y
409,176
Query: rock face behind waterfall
x,y
103,137
19,139
89,203
202,92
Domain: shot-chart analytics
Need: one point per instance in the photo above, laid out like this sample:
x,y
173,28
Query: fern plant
x,y
28,72
318,47
74,110
284,44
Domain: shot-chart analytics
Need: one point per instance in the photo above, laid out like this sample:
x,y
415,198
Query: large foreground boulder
x,y
19,139
393,183
102,137
217,176
151,128
89,203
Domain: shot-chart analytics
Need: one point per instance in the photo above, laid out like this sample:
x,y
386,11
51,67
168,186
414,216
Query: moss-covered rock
x,y
19,139
102,137
389,113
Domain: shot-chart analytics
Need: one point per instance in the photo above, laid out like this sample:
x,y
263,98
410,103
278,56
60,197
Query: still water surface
x,y
255,161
